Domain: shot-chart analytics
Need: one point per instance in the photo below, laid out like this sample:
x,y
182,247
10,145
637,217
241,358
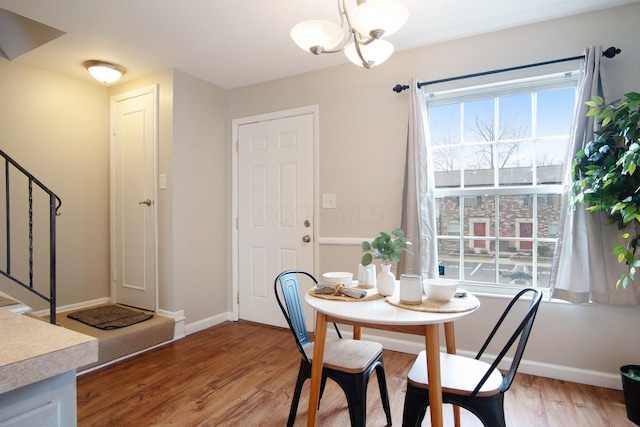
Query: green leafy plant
x,y
633,373
605,176
385,247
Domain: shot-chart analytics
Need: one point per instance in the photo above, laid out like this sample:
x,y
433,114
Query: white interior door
x,y
134,210
275,211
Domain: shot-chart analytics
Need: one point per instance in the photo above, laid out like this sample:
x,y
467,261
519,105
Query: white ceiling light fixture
x,y
105,72
366,24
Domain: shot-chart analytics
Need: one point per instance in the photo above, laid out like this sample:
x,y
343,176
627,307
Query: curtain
x,y
418,196
584,267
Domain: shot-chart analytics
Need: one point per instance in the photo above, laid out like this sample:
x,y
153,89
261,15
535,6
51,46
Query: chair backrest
x,y
520,335
288,297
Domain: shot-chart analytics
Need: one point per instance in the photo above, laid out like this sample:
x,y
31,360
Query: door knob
x,y
306,238
146,202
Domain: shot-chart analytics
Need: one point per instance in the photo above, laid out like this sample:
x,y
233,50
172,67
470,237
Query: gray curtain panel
x,y
418,197
584,268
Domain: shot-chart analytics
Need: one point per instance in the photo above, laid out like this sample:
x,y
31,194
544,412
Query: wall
x,y
362,147
200,222
57,129
192,221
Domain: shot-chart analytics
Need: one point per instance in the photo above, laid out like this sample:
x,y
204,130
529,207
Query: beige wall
x,y
362,146
57,129
200,222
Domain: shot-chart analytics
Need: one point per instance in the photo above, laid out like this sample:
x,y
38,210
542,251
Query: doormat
x,y
109,316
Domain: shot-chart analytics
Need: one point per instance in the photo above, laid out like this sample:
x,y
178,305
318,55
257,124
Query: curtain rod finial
x,y
611,52
399,88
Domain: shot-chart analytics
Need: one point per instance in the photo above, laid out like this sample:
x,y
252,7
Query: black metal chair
x,y
471,383
348,362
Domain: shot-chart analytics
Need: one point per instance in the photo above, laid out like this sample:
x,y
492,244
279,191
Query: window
x,y
499,160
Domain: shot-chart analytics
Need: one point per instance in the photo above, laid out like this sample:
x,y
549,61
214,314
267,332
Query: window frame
x,y
509,86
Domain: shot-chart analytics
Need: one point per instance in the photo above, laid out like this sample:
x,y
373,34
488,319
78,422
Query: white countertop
x,y
32,350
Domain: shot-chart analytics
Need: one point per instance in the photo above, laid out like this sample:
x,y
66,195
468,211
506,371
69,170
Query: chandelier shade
x,y
376,53
373,15
317,33
359,34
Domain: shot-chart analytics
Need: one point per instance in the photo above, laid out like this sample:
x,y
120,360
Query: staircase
x,y
24,223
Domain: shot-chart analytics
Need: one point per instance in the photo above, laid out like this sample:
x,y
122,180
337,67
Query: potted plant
x,y
631,389
605,179
387,249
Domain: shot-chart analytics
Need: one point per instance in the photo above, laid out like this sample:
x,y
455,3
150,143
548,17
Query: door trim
x,y
153,89
235,124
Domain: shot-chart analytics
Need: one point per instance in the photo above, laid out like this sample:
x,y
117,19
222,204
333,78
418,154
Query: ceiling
x,y
235,43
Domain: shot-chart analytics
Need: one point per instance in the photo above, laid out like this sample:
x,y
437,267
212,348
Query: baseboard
x,y
207,323
76,306
178,316
547,370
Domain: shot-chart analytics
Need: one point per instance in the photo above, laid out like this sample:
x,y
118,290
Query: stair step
x,y
114,344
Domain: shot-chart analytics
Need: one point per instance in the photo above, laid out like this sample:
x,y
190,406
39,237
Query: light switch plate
x,y
328,201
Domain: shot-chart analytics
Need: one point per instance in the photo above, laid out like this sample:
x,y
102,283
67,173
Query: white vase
x,y
386,281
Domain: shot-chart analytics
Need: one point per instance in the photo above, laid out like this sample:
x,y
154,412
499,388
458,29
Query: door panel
x,y
526,230
479,229
134,210
275,205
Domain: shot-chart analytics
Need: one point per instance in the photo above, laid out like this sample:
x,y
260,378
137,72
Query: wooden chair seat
x,y
459,375
351,356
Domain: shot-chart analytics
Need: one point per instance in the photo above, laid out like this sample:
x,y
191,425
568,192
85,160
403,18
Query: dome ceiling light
x,y
105,72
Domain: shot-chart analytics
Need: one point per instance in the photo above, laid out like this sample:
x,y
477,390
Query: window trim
x,y
507,87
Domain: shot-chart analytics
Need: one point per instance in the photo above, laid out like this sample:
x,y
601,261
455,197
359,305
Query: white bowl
x,y
440,291
334,277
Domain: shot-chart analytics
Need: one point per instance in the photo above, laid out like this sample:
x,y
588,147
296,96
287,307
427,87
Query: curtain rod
x,y
609,53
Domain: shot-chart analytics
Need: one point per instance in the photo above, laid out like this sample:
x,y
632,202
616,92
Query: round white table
x,y
379,314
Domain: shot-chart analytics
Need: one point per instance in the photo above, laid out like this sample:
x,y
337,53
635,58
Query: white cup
x,y
410,289
367,276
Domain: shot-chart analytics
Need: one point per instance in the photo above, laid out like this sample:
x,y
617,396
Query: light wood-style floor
x,y
243,374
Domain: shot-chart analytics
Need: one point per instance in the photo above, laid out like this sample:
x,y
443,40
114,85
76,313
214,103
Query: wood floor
x,y
243,374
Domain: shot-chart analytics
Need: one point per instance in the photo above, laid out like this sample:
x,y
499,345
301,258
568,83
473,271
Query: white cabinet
x,y
47,403
38,363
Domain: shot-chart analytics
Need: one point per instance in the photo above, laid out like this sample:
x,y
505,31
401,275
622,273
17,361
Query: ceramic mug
x,y
367,276
410,289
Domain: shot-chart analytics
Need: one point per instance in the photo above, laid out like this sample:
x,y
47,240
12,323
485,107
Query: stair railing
x,y
54,206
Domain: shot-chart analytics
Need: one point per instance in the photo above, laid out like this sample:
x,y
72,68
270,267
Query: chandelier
x,y
366,24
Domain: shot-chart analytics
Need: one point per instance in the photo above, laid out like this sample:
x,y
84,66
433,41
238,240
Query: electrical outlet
x,y
328,201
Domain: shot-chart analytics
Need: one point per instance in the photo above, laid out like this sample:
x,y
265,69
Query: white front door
x,y
275,210
133,198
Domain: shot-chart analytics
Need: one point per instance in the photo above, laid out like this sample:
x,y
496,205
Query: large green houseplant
x,y
605,176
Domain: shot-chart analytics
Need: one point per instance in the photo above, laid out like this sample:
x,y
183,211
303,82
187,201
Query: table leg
x,y
450,338
316,367
432,345
357,332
